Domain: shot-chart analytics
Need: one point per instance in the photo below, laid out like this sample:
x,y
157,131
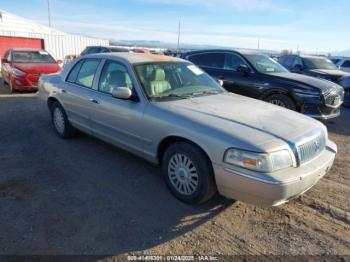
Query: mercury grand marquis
x,y
171,113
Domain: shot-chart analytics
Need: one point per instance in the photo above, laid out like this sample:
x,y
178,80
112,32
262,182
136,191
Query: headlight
x,y
262,162
17,72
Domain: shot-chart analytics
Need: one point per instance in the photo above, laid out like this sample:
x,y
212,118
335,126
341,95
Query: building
x,y
17,31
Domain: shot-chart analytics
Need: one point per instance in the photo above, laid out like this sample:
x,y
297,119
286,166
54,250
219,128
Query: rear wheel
x,y
60,121
282,101
188,173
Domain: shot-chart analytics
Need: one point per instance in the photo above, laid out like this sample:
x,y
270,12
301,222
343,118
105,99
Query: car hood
x,y
318,83
336,73
38,68
252,121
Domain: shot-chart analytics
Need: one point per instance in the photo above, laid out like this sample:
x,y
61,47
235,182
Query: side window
x,y
104,50
282,60
113,75
346,63
232,62
94,50
297,61
6,54
87,72
289,62
8,57
73,74
214,60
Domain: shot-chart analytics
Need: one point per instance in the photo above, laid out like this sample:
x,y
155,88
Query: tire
x,y
282,100
12,90
184,164
3,82
60,121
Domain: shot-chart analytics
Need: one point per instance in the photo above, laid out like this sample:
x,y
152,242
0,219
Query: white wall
x,y
57,43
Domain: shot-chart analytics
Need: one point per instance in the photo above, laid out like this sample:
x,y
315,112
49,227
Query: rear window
x,y
214,60
32,57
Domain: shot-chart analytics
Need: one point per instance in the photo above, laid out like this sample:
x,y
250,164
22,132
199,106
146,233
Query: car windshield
x,y
32,57
265,64
173,80
319,63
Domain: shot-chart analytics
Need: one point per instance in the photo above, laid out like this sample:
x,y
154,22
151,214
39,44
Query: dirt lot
x,y
83,196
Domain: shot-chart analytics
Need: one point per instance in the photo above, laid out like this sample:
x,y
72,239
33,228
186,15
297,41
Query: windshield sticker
x,y
43,53
270,69
195,70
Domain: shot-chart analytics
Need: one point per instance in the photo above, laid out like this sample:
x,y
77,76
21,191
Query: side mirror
x,y
59,62
122,93
243,69
4,60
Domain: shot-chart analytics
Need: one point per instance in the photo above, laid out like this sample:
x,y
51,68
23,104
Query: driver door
x,y
237,82
115,120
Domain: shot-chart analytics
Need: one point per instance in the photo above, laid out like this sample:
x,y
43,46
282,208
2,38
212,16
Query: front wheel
x,y
282,101
188,173
60,121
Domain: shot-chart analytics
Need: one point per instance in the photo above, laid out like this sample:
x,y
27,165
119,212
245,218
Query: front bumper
x,y
275,189
347,97
25,83
319,111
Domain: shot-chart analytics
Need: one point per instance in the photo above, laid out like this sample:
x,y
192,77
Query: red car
x,y
21,68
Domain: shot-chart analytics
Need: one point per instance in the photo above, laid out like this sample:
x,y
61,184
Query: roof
x,y
136,58
313,56
241,51
26,49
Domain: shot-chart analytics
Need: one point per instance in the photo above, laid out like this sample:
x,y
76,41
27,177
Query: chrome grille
x,y
333,97
311,148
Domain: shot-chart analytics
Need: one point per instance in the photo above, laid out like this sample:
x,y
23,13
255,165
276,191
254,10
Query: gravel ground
x,y
83,196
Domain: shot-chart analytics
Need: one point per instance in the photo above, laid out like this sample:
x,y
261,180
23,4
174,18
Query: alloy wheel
x,y
277,103
183,174
58,120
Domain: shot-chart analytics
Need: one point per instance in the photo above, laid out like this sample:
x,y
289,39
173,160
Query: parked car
x,y
102,49
335,60
169,112
344,64
22,68
140,50
320,67
259,76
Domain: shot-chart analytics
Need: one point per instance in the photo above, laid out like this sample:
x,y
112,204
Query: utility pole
x,y
178,38
258,43
49,12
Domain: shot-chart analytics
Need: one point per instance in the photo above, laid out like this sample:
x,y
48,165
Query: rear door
x,y
77,93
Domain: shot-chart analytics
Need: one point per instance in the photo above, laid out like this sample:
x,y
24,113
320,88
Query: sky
x,y
306,25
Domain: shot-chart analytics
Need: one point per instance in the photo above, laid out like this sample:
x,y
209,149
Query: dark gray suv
x,y
102,49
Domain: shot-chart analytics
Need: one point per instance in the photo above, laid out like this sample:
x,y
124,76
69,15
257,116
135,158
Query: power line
x,y
49,12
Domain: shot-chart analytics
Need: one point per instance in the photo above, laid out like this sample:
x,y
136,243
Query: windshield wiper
x,y
205,93
172,96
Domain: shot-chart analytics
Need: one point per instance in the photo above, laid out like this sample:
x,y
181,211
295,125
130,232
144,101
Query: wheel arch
x,y
279,91
51,100
173,139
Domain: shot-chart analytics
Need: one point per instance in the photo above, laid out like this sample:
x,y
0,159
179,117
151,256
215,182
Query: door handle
x,y
94,101
63,91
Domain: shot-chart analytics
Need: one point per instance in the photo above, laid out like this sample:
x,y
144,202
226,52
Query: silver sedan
x,y
171,113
